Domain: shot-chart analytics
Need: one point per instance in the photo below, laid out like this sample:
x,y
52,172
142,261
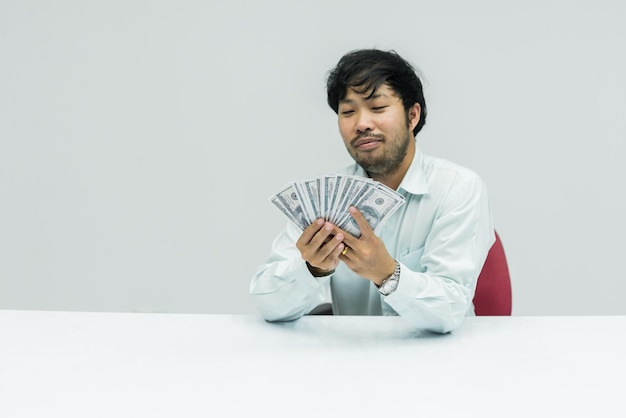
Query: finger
x,y
320,246
364,226
340,251
309,232
346,237
333,249
327,257
344,251
322,236
348,256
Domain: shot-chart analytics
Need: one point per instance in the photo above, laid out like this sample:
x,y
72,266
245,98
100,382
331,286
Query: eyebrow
x,y
372,97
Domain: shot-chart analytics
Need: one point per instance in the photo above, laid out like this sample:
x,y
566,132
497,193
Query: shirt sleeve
x,y
438,295
283,288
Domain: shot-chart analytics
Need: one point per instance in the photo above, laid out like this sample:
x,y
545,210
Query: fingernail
x,y
339,237
329,226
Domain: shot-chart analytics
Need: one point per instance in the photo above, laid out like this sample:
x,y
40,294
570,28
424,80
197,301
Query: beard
x,y
389,161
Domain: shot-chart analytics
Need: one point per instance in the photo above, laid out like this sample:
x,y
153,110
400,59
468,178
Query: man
x,y
422,263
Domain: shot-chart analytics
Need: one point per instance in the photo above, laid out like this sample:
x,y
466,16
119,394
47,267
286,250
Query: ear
x,y
414,113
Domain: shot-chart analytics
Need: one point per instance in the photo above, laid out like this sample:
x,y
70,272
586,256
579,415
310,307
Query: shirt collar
x,y
414,180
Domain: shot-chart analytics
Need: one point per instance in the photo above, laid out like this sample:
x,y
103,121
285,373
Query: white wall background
x,y
140,140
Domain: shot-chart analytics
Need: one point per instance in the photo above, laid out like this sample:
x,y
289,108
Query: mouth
x,y
366,143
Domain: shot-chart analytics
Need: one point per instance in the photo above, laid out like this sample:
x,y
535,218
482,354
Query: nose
x,y
363,122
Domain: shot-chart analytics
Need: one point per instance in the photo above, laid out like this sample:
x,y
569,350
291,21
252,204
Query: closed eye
x,y
378,108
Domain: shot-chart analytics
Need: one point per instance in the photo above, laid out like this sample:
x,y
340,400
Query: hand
x,y
319,248
367,255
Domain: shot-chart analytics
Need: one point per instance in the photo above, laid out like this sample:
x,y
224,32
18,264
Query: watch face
x,y
392,282
389,286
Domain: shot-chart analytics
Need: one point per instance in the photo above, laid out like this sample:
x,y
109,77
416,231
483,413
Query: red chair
x,y
493,295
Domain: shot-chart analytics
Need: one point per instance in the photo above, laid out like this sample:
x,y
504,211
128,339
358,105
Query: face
x,y
378,131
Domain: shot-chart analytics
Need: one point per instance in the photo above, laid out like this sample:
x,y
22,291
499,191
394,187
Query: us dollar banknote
x,y
330,197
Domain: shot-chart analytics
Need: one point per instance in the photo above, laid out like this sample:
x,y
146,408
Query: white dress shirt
x,y
440,236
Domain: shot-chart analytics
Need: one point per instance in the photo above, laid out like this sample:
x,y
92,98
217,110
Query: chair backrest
x,y
493,295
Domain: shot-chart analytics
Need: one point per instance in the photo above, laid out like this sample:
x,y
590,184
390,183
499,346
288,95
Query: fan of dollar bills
x,y
330,196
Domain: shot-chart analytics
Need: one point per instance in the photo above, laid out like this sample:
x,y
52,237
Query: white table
x,y
64,364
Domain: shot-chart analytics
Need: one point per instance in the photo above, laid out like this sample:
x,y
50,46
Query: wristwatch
x,y
390,283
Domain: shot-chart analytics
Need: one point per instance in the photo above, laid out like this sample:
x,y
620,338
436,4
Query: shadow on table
x,y
357,329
